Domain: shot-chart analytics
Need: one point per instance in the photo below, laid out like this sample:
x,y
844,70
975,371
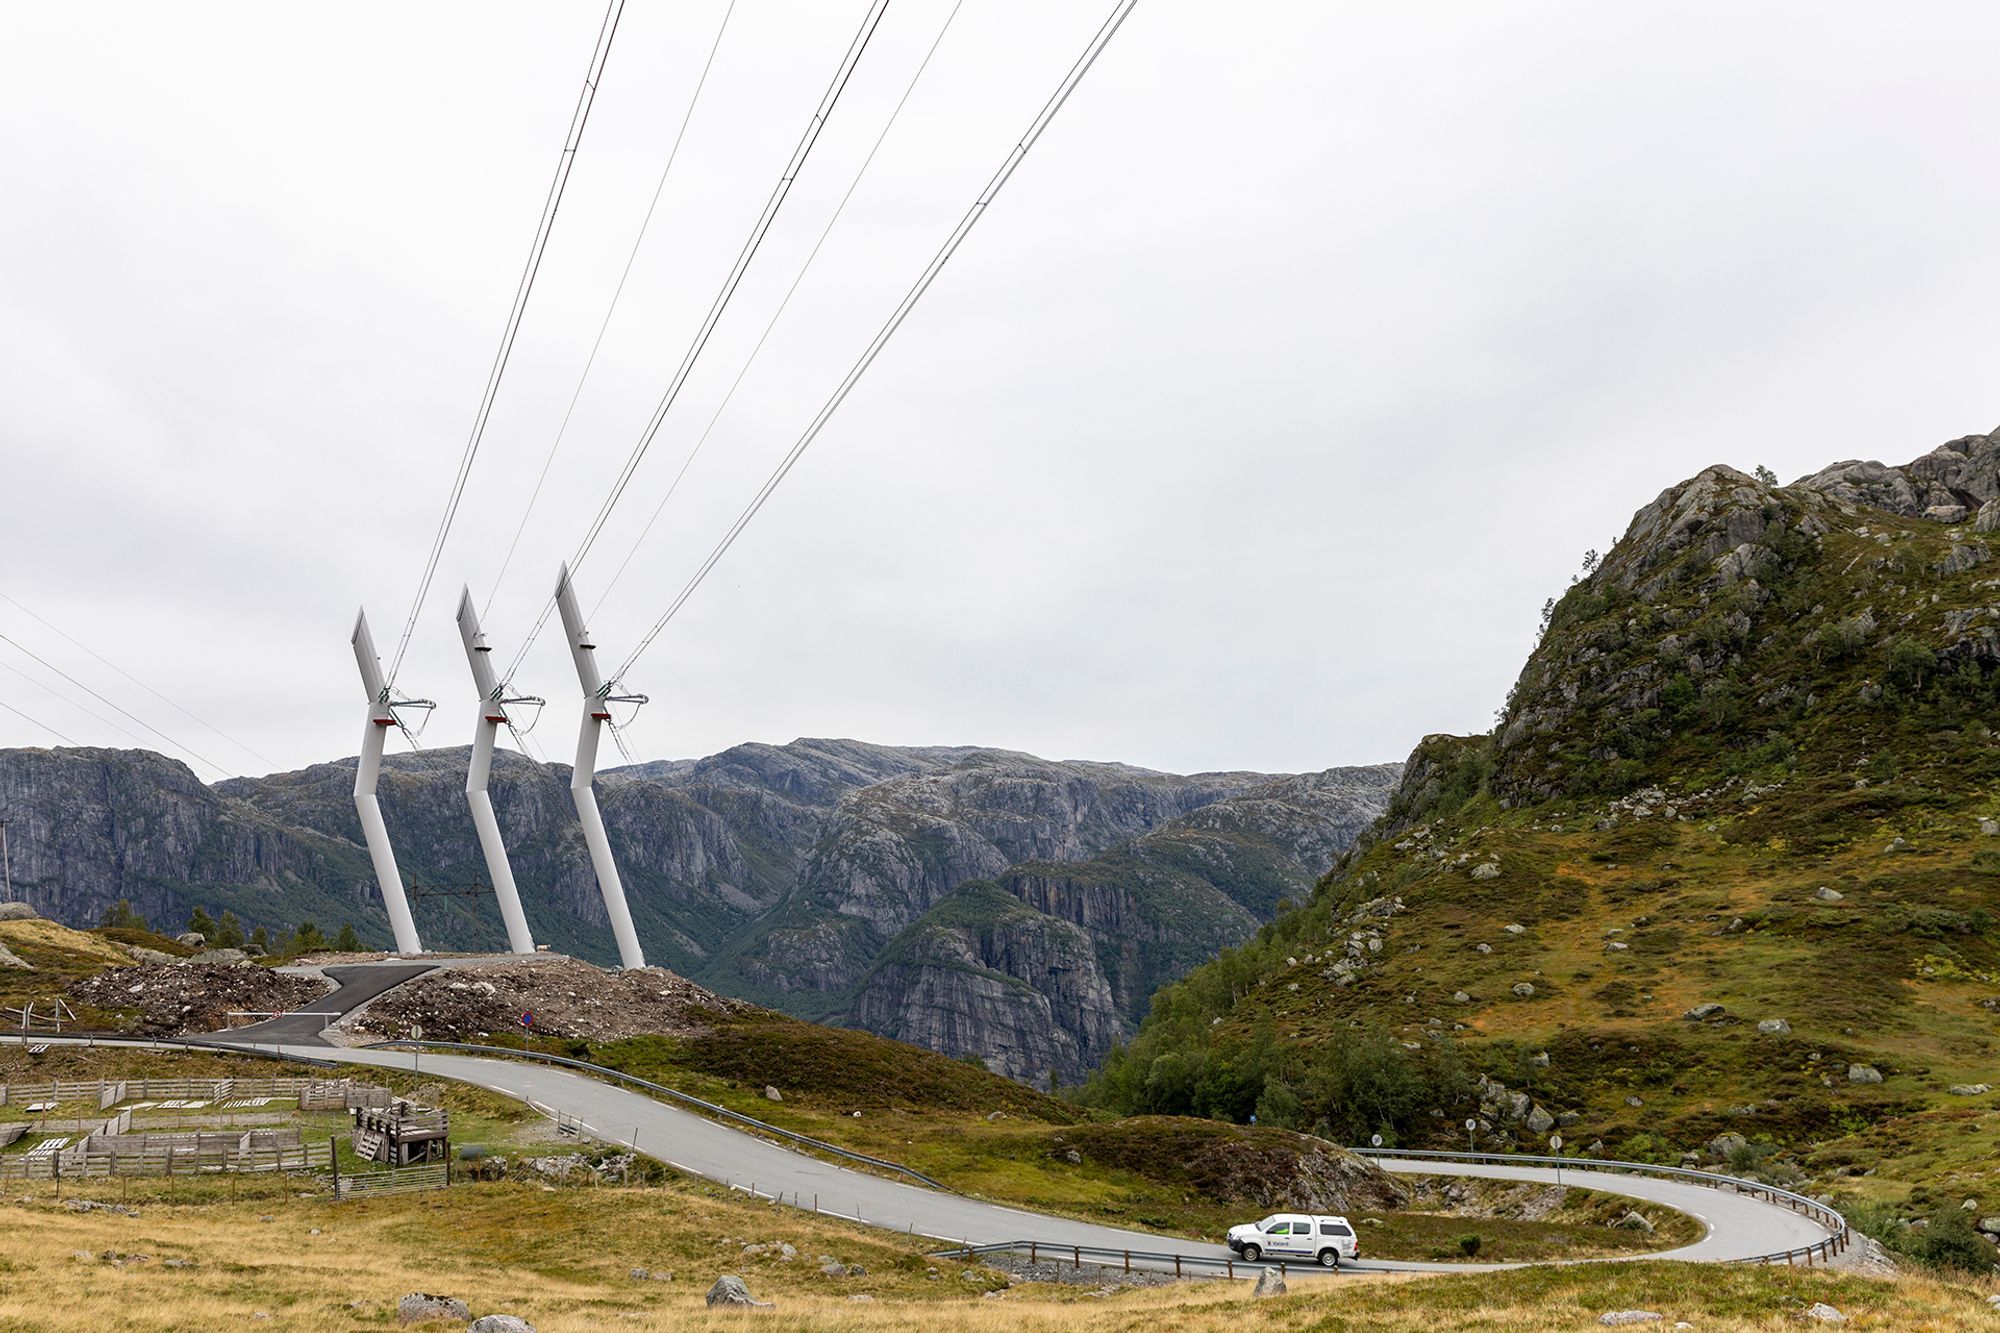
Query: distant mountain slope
x,y
777,873
1730,864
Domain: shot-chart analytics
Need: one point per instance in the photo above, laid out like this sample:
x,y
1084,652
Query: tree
x,y
1765,475
201,923
120,916
348,942
228,932
308,939
260,942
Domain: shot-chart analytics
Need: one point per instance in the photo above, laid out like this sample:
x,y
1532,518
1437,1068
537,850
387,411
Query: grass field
x,y
563,1259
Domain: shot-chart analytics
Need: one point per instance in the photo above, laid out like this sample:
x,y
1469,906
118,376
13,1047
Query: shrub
x,y
1468,1245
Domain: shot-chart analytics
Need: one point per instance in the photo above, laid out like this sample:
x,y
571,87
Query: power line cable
x,y
187,750
778,314
563,430
60,697
33,722
1119,13
579,118
140,683
849,61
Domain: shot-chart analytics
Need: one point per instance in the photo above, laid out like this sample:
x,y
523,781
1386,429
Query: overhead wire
x,y
1120,12
545,227
778,314
37,723
184,711
48,665
772,205
590,361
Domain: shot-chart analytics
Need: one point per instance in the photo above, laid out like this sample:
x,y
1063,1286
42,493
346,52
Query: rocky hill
x,y
1723,881
834,879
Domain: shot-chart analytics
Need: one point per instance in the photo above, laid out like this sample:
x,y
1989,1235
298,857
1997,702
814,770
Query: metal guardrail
x,y
686,1099
1822,1252
1819,1253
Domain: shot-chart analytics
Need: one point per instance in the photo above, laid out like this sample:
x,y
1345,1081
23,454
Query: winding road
x,y
1738,1226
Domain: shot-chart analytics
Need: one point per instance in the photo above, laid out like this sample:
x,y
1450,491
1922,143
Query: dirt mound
x,y
567,998
1260,1167
167,999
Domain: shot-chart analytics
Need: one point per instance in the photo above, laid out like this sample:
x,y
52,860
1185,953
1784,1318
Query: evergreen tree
x,y
202,924
347,941
308,939
120,916
260,942
228,932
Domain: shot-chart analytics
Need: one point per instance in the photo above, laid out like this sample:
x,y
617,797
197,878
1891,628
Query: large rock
x,y
8,958
1618,1317
1863,1074
17,912
1774,1027
1270,1282
220,957
1822,1313
421,1307
500,1323
1970,1089
729,1292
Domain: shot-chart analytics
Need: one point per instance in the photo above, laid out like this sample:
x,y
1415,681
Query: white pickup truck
x,y
1305,1237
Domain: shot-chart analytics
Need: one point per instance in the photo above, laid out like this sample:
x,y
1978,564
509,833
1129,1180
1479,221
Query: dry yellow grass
x,y
49,935
561,1259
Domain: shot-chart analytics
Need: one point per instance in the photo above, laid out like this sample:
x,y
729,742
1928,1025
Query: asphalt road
x,y
353,987
1738,1226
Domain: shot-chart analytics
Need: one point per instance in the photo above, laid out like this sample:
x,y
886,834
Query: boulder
x,y
832,1267
1617,1317
1722,1145
1270,1283
1460,997
1515,929
1990,827
501,1323
652,1275
1822,1313
221,957
1524,990
420,1307
730,1292
141,954
8,958
1774,1027
1863,1074
193,939
1827,895
1702,1011
1990,1225
17,912
771,1094
1486,870
1970,1089
1540,1121
1988,517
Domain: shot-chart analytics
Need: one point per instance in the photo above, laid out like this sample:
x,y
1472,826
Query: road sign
x,y
1374,1140
1555,1143
1472,1124
416,1032
527,1020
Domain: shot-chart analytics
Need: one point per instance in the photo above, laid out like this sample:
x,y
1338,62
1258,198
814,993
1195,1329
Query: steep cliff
x,y
778,873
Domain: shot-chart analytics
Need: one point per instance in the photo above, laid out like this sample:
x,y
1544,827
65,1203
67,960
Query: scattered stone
x,y
1863,1074
1617,1317
832,1267
1616,946
1460,997
1990,827
1990,1225
1270,1283
83,1256
1524,989
8,958
1635,1102
1774,1027
1482,947
730,1291
501,1323
1515,929
1827,895
1703,1011
651,1275
1823,1313
220,957
1970,1089
1897,844
1486,870
771,1094
1635,1221
419,1307
864,1298
1541,1060
177,1263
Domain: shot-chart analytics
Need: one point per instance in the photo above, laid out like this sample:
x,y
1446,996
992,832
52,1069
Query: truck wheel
x,y
1329,1258
1252,1253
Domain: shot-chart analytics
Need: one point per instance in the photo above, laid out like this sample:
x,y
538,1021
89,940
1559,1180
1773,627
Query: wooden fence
x,y
82,1161
312,1094
408,1180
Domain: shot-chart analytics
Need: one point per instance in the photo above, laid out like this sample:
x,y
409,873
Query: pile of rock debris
x,y
559,997
166,999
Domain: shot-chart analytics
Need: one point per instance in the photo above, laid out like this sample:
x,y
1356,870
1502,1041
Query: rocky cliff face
x,y
779,873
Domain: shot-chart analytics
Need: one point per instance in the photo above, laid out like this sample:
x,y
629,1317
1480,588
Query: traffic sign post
x,y
1556,1146
1471,1144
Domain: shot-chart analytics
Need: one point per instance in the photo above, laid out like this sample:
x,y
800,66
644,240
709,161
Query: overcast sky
x,y
1298,364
